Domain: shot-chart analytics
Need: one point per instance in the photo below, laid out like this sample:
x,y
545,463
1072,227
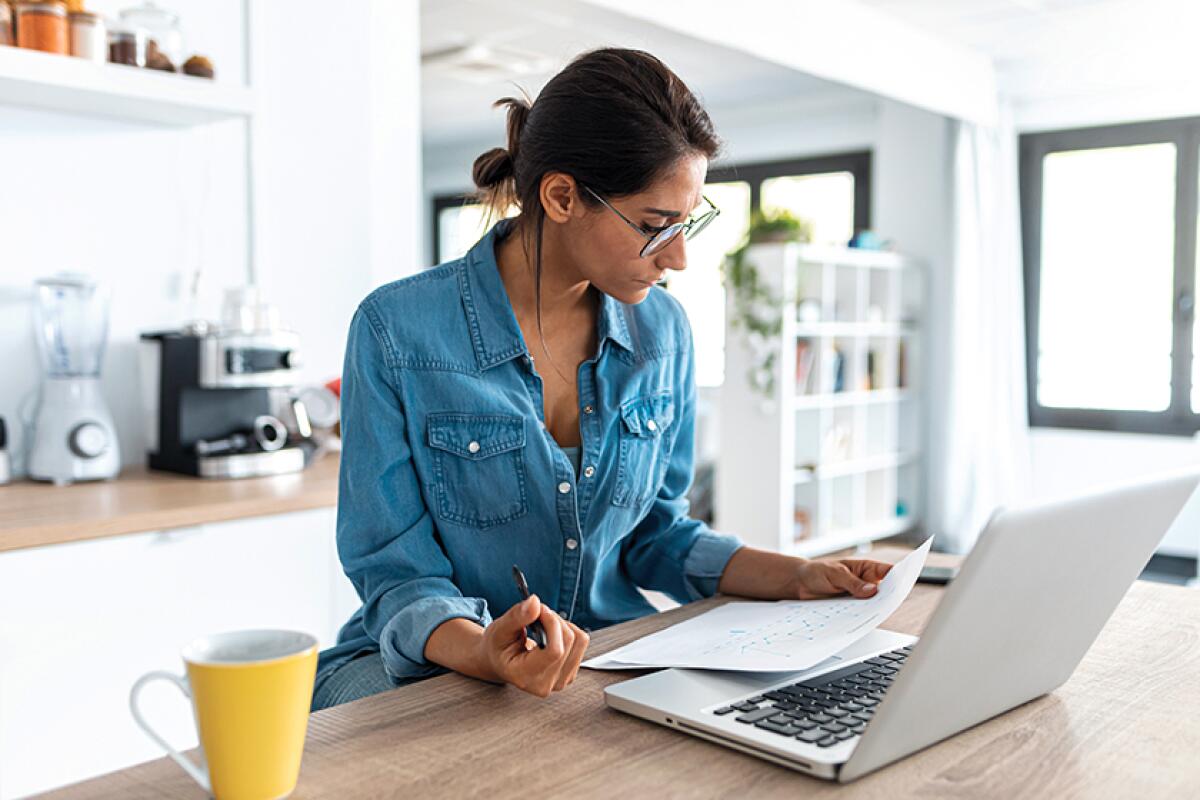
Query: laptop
x,y
1027,604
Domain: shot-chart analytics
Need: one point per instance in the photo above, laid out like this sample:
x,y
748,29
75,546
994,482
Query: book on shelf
x,y
806,355
838,366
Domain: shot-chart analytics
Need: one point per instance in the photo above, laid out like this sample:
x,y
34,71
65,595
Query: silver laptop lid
x,y
1029,601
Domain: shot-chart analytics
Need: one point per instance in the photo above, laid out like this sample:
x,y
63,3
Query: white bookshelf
x,y
826,462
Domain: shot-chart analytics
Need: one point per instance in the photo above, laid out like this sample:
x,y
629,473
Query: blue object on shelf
x,y
866,240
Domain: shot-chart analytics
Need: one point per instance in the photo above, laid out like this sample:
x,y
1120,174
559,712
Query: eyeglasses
x,y
659,238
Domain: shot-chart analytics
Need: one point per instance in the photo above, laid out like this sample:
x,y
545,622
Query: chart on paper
x,y
797,625
758,636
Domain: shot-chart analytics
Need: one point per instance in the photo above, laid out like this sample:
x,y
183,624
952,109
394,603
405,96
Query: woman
x,y
533,403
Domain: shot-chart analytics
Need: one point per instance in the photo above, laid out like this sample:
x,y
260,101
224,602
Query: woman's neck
x,y
565,295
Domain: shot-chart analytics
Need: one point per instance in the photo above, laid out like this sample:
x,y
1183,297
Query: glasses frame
x,y
664,236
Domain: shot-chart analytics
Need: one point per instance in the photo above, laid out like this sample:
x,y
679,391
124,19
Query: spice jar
x,y
89,39
6,30
162,30
43,26
127,45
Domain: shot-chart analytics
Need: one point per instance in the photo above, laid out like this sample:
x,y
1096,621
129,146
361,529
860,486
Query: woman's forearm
x,y
456,645
756,573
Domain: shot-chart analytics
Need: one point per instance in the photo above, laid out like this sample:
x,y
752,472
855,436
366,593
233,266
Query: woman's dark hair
x,y
613,119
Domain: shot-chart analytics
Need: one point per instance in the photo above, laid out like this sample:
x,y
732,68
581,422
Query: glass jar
x,y
6,29
126,45
162,30
43,26
89,39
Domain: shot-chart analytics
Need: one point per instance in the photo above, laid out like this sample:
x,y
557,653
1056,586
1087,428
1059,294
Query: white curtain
x,y
980,446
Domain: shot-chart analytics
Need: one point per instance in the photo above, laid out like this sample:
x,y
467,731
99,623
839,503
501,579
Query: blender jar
x,y
71,314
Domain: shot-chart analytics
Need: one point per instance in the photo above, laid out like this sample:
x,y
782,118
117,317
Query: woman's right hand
x,y
516,659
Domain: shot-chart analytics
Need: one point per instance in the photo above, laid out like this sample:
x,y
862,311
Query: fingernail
x,y
868,587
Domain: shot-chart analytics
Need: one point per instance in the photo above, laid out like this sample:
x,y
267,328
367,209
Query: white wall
x,y
141,207
1067,462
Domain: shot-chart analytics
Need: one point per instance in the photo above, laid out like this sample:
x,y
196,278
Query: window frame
x,y
1178,419
857,163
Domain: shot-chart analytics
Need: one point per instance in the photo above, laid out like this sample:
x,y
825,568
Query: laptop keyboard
x,y
827,709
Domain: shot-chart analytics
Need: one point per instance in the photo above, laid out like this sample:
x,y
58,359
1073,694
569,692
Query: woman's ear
x,y
560,196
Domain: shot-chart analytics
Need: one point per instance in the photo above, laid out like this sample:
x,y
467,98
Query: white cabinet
x,y
80,622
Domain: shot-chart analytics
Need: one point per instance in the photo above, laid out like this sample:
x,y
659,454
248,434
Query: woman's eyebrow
x,y
662,212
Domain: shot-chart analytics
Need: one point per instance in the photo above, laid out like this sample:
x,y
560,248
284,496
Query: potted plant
x,y
756,308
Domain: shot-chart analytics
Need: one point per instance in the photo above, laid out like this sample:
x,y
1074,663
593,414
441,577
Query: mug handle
x,y
198,773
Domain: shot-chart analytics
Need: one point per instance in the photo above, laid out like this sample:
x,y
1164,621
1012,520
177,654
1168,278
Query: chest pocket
x,y
479,468
646,438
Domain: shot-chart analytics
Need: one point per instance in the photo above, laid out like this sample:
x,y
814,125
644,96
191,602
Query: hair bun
x,y
492,168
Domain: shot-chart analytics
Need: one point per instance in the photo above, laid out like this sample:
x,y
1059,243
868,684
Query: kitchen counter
x,y
34,514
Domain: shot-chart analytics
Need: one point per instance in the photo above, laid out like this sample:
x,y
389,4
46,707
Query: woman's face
x,y
604,249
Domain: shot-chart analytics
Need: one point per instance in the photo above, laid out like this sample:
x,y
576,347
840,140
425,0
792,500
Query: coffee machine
x,y
214,399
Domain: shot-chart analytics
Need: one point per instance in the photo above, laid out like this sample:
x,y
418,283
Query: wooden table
x,y
35,514
1124,726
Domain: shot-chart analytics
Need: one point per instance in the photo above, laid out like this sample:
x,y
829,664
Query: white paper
x,y
785,635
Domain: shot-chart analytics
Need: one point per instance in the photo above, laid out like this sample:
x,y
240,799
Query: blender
x,y
74,438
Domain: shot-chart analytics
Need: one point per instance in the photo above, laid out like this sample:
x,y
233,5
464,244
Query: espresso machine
x,y
218,400
74,438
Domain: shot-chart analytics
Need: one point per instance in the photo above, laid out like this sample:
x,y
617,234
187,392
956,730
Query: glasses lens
x,y
662,239
702,223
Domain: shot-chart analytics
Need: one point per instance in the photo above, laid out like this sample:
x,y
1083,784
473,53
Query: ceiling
x,y
1042,50
1058,47
455,109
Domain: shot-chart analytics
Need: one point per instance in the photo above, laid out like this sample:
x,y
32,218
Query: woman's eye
x,y
648,228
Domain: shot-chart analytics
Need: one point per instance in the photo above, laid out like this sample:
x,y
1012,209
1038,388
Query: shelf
x,y
851,537
51,82
812,330
837,399
838,469
853,257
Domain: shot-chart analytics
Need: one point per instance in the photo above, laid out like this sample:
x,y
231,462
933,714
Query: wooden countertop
x,y
1121,727
34,514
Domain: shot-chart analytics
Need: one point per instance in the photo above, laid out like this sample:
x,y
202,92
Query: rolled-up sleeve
x,y
386,538
669,551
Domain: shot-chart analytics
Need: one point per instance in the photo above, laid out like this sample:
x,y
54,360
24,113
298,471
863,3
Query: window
x,y
458,225
1110,221
832,192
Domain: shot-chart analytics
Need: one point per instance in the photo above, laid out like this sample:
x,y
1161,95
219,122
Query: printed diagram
x,y
764,636
792,632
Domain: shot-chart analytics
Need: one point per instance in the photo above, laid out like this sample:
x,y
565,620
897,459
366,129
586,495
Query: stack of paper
x,y
770,636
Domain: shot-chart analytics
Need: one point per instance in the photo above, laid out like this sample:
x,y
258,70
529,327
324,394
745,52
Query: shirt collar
x,y
495,334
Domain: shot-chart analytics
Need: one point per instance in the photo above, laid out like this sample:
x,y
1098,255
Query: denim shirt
x,y
449,475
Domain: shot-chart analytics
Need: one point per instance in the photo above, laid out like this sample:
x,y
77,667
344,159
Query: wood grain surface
x,y
1124,726
34,514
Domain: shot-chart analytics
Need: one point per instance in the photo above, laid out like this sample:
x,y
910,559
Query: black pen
x,y
534,631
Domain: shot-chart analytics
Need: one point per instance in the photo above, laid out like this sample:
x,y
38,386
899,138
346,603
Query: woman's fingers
x,y
571,666
842,577
872,571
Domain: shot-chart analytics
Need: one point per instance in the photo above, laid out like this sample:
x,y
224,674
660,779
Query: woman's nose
x,y
673,256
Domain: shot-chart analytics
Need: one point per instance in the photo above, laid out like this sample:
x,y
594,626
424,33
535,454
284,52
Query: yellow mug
x,y
250,692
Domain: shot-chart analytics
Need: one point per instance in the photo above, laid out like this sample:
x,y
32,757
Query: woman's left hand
x,y
858,577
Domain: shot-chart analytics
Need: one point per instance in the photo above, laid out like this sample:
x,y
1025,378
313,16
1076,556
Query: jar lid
x,y
56,8
85,16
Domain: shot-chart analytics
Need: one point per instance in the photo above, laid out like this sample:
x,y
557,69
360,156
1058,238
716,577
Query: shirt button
x,y
589,471
564,488
588,409
572,544
562,614
651,425
473,447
